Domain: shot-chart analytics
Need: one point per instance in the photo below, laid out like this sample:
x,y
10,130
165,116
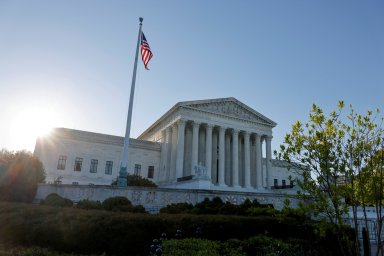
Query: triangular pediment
x,y
229,107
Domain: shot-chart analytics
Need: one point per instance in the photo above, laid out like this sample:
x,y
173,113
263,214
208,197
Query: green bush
x,y
117,204
256,211
116,233
177,208
138,209
192,247
89,205
137,181
56,200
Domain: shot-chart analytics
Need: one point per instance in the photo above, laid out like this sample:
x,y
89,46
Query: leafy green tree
x,y
364,180
316,149
20,173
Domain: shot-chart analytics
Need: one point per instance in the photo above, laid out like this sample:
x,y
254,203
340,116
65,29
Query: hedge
x,y
121,233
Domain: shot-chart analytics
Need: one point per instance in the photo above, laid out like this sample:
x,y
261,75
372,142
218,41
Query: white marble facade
x,y
219,144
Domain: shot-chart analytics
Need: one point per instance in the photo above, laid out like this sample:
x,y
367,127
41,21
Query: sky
x,y
69,63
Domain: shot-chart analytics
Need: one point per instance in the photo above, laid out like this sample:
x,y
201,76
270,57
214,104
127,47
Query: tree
x,y
318,150
363,149
20,173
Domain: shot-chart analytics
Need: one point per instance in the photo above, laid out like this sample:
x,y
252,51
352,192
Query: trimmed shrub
x,y
138,209
117,204
89,205
177,208
137,181
191,246
120,233
56,200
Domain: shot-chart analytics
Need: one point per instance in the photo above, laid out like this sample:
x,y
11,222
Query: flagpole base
x,y
122,179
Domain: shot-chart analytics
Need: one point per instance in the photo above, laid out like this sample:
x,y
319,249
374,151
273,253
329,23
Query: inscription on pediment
x,y
230,109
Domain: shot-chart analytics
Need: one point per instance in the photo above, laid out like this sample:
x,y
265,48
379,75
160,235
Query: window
x,y
137,169
78,164
151,172
283,183
108,167
275,183
61,163
93,167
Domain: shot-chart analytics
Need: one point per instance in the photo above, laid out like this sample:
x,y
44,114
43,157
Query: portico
x,y
223,138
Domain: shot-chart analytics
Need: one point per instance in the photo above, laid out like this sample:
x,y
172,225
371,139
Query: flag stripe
x,y
146,53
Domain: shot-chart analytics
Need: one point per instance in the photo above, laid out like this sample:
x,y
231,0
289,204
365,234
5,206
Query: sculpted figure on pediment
x,y
230,109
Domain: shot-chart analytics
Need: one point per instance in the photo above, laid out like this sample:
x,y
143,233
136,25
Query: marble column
x,y
235,158
208,150
162,171
221,156
195,146
259,170
180,148
247,161
228,159
172,163
268,154
167,155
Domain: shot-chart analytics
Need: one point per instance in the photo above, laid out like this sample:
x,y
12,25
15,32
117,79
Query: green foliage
x,y
217,206
255,245
137,181
95,231
89,205
177,208
256,211
56,200
191,247
333,155
20,173
117,204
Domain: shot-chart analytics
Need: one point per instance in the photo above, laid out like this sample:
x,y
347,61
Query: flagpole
x,y
123,174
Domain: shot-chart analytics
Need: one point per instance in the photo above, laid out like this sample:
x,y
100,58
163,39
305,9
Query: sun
x,y
29,123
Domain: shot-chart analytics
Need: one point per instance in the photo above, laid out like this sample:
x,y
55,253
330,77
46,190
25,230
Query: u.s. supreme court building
x,y
203,148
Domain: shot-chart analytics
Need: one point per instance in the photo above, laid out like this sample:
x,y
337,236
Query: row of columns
x,y
172,158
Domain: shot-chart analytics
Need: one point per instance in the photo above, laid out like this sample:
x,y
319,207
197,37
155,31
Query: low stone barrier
x,y
153,199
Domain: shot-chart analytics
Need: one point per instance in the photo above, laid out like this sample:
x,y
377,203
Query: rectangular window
x,y
78,164
151,172
137,169
61,163
108,167
283,183
93,167
275,184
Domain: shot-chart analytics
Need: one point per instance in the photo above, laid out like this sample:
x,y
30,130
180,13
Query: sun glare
x,y
30,123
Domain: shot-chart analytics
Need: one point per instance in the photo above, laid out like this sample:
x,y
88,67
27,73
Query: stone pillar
x,y
221,156
162,171
172,163
247,161
228,159
268,154
167,155
195,147
208,150
180,149
235,158
259,170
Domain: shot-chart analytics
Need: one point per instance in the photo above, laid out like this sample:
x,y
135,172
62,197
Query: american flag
x,y
146,53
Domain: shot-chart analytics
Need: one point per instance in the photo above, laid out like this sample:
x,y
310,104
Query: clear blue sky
x,y
69,63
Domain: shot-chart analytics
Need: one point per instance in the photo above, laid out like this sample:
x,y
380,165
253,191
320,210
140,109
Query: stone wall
x,y
155,198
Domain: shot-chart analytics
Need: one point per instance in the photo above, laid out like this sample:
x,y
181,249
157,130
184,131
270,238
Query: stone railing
x,y
155,198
